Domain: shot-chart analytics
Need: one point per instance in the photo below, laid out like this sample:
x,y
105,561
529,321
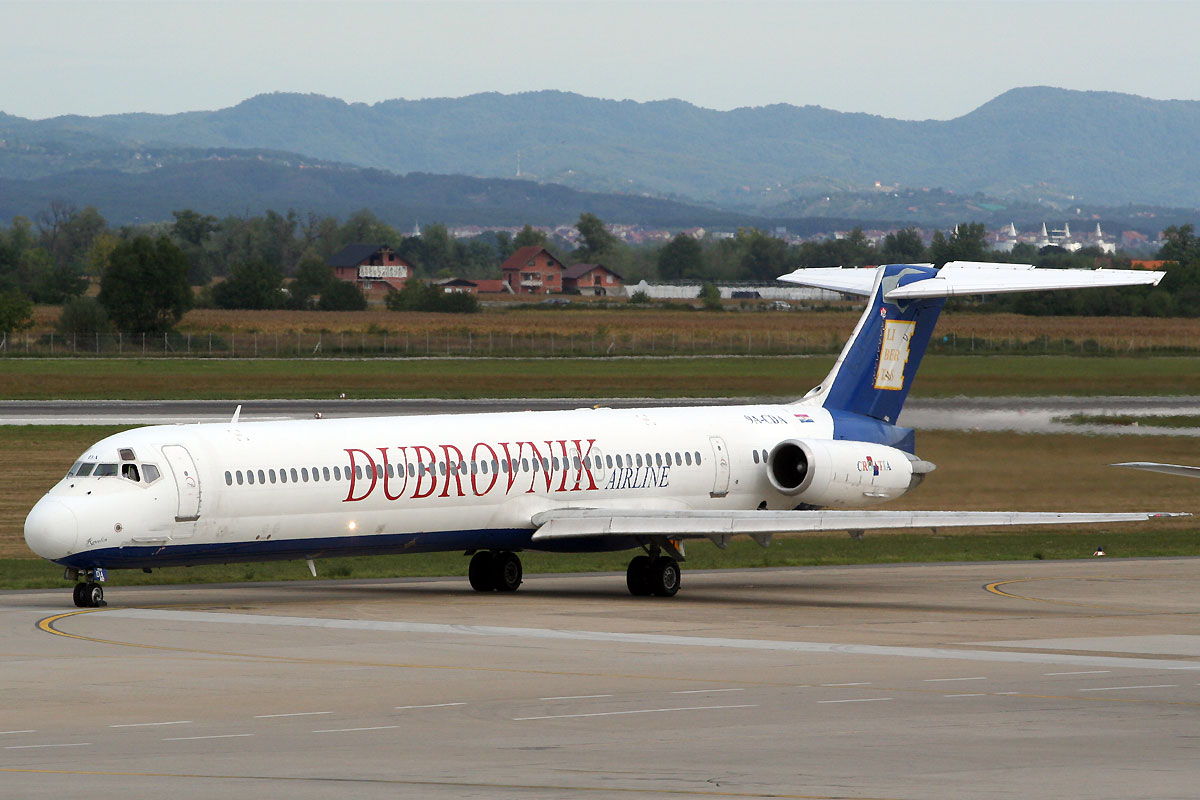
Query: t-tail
x,y
866,389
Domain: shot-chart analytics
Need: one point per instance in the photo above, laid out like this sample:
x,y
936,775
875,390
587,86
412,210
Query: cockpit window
x,y
130,471
150,473
81,469
105,471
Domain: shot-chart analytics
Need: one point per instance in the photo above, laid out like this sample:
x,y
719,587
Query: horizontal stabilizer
x,y
959,278
1168,469
590,522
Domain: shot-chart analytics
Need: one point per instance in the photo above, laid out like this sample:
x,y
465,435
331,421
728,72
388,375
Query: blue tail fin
x,y
875,370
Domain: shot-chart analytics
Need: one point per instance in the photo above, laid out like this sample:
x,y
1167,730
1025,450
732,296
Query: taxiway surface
x,y
1064,679
1023,414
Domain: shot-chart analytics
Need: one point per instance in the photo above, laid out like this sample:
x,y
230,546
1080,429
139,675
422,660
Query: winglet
x,y
237,413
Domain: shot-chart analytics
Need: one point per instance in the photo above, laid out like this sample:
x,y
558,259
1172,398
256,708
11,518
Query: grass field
x,y
975,471
585,378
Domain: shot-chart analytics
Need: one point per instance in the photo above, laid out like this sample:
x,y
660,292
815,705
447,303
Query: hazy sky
x,y
911,60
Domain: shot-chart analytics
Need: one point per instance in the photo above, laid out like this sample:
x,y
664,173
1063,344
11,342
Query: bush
x,y
418,296
342,296
83,316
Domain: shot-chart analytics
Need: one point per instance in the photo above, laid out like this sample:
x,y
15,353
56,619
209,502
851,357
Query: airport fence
x,y
429,344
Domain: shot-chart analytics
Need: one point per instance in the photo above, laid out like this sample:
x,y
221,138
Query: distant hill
x,y
1099,147
250,185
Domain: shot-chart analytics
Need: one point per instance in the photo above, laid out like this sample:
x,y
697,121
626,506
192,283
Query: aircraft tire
x,y
78,595
507,571
94,595
481,573
664,576
637,577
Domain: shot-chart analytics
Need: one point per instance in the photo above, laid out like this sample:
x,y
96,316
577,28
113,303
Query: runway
x,y
1023,414
1029,679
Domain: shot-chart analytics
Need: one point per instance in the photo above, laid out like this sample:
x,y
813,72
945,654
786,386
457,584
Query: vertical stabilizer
x,y
875,370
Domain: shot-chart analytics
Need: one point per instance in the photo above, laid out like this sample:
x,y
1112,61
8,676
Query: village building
x,y
533,270
594,279
371,266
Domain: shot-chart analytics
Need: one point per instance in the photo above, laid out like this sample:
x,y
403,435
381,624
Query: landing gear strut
x,y
653,574
88,593
498,571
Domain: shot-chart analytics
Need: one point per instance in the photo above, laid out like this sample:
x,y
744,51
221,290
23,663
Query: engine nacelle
x,y
825,473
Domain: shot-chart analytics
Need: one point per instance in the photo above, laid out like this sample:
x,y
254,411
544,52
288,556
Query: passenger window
x,y
639,459
755,456
250,477
358,472
697,458
304,474
337,473
687,457
412,471
130,471
442,467
228,478
271,474
525,465
282,475
764,456
483,467
325,473
262,477
678,459
658,459
295,477
239,477
495,465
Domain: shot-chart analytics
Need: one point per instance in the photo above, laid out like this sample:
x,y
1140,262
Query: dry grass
x,y
812,326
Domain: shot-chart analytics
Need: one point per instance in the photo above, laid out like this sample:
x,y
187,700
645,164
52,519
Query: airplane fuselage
x,y
315,488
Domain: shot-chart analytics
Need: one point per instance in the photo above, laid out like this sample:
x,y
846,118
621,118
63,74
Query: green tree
x,y
83,316
342,296
313,277
16,311
710,297
966,243
528,237
1180,244
682,257
903,247
144,287
596,237
255,284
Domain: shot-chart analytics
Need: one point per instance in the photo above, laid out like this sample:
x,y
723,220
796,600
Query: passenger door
x,y
720,467
187,482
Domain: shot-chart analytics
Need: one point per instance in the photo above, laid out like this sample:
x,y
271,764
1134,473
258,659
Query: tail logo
x,y
893,354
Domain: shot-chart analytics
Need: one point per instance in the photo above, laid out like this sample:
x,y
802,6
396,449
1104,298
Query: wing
x,y
1169,469
574,523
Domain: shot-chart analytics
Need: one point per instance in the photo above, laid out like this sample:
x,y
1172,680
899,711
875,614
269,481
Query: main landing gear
x,y
88,592
495,571
653,574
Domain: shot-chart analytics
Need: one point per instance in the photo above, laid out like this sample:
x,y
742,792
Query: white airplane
x,y
588,480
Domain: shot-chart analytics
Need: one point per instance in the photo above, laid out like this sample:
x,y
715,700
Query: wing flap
x,y
1168,469
593,522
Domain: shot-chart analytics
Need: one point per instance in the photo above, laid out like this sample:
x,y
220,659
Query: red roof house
x,y
533,270
371,266
595,279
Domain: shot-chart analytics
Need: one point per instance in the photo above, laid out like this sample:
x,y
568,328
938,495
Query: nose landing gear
x,y
88,592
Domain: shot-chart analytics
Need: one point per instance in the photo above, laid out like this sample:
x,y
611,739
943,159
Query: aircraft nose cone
x,y
51,529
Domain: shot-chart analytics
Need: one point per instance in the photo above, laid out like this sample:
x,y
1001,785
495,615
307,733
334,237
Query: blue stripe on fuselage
x,y
182,555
